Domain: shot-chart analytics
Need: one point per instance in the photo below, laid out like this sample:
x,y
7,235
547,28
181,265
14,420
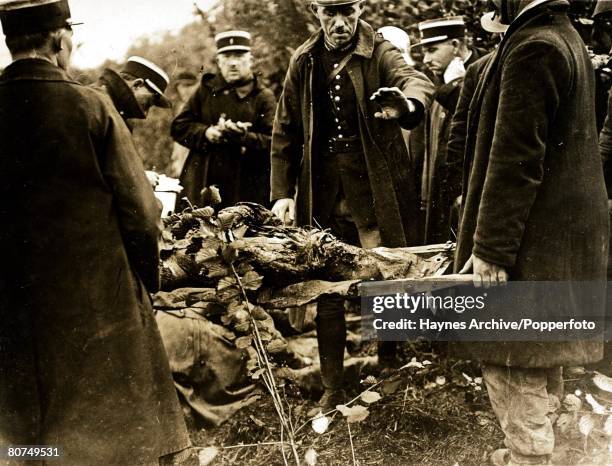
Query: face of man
x,y
601,37
186,89
438,56
63,56
145,97
235,66
339,23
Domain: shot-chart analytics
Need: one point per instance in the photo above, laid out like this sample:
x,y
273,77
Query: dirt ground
x,y
433,416
430,414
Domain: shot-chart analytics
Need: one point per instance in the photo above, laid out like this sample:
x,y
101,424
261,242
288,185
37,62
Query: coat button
x,y
337,99
337,76
337,87
335,65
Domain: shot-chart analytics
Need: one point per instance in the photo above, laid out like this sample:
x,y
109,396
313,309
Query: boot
x,y
387,355
331,337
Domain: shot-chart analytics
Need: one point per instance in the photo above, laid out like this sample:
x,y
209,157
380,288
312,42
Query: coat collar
x,y
365,41
526,15
218,84
122,96
34,69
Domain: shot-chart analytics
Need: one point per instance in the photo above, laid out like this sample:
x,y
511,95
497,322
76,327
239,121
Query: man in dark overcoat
x,y
338,155
535,205
82,365
227,125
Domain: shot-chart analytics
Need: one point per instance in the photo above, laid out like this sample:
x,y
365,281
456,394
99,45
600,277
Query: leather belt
x,y
344,145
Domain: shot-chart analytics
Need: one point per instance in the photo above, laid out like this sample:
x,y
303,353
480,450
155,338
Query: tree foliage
x,y
278,28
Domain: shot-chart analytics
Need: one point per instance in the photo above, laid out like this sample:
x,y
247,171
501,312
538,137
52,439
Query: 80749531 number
x,y
30,452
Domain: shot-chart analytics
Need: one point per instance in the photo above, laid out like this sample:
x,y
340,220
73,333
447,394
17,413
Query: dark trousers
x,y
351,217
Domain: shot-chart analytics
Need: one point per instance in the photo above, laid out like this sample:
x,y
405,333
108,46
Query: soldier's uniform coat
x,y
81,360
296,151
240,168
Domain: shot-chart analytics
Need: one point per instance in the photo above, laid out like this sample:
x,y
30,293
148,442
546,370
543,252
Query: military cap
x,y
154,77
334,2
19,17
441,29
233,41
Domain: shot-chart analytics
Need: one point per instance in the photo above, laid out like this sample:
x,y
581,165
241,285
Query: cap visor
x,y
431,40
346,2
163,101
234,48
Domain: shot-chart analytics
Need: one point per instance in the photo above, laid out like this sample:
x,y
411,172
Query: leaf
x,y
440,380
265,336
586,424
353,414
242,327
204,212
241,316
229,254
370,397
413,363
369,380
244,342
259,313
310,457
572,403
597,408
257,422
207,455
608,426
564,422
252,281
320,424
602,382
389,387
240,231
276,346
227,289
257,374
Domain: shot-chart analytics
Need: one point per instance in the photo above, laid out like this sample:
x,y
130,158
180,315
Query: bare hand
x,y
285,210
393,103
233,128
485,273
238,127
213,134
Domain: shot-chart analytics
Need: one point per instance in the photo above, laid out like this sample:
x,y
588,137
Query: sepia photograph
x,y
305,232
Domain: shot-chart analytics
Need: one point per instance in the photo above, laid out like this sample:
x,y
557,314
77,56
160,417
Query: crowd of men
x,y
496,150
